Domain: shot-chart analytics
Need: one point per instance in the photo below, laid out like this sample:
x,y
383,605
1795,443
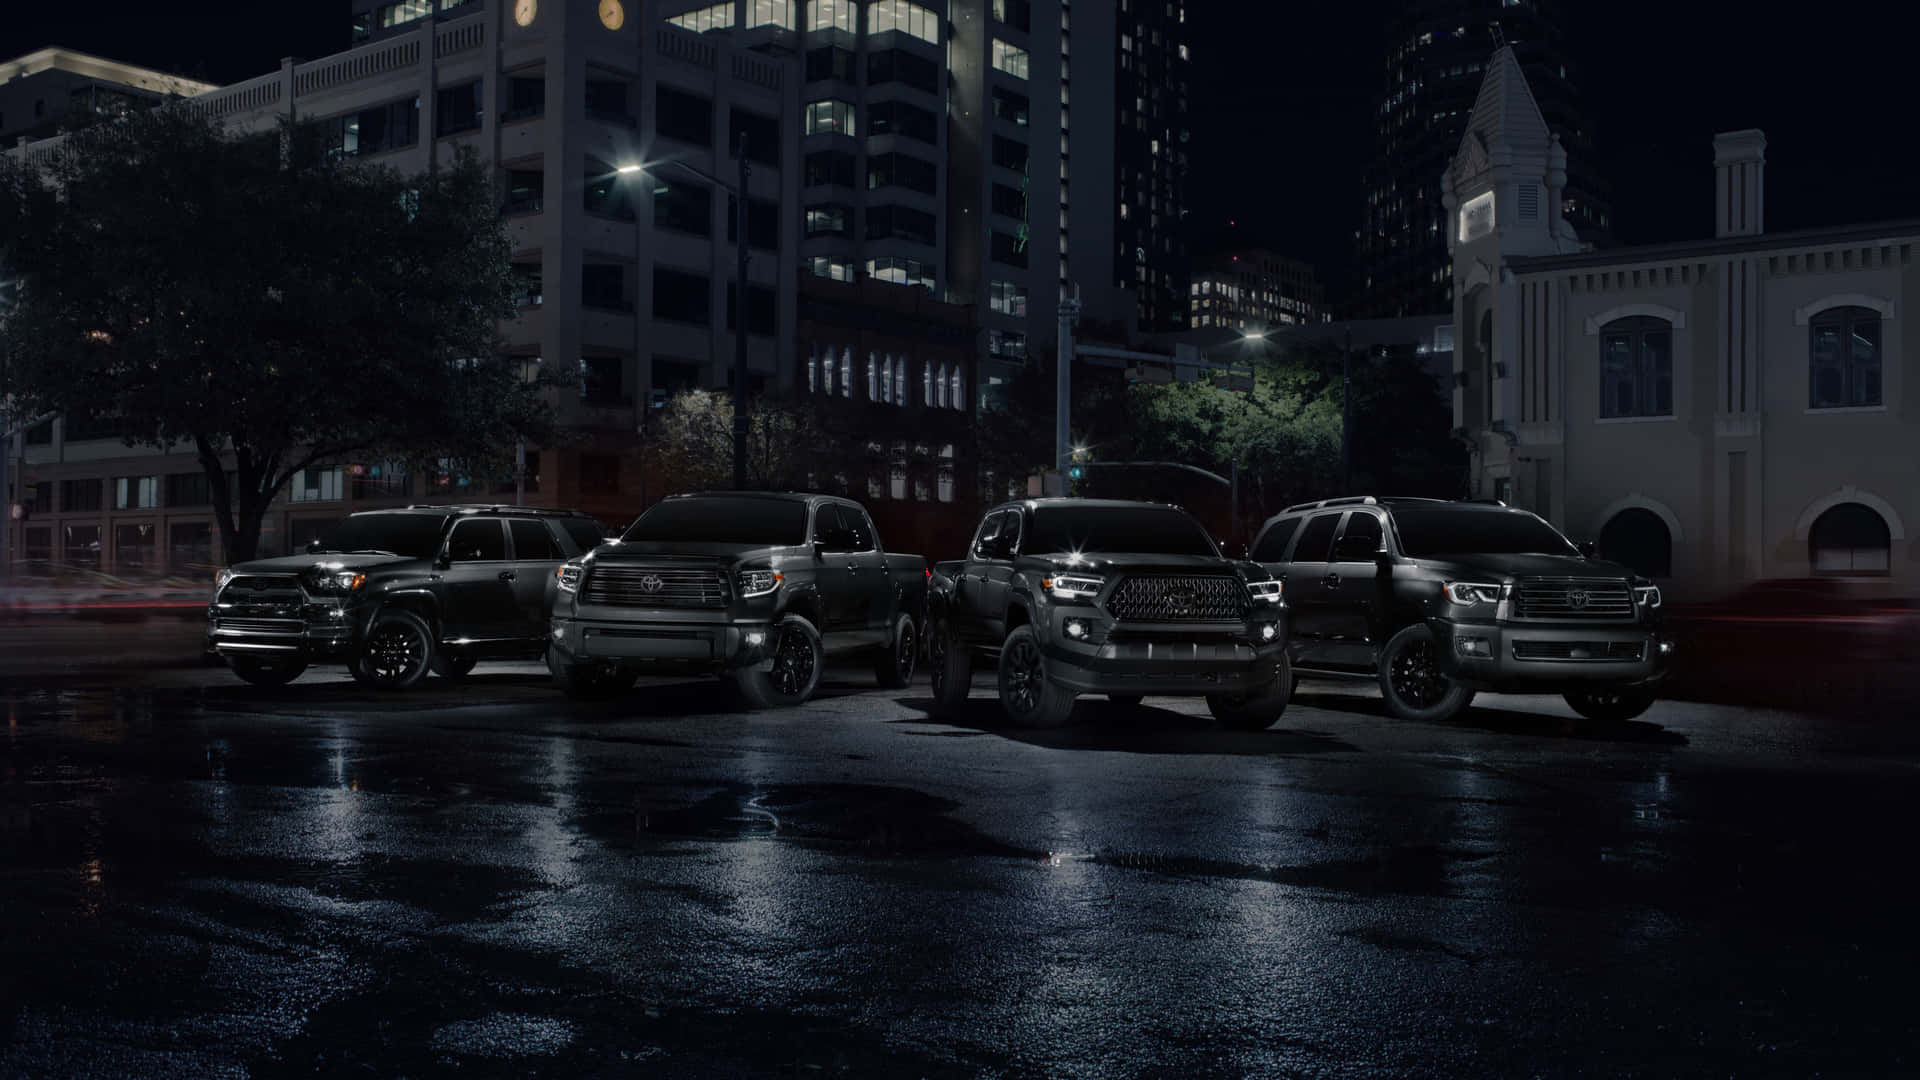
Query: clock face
x,y
524,11
612,15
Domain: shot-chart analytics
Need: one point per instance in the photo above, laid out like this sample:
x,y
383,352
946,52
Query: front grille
x,y
264,626
1572,598
1179,598
1578,650
655,586
260,596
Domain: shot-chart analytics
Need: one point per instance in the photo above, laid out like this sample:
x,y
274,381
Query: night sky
x,y
1283,93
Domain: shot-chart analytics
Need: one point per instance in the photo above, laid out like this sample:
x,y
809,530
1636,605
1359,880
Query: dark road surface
x,y
204,879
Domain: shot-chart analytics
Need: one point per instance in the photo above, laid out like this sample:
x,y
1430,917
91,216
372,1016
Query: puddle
x,y
505,1035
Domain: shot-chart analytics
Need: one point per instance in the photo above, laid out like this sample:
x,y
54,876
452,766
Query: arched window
x,y
1850,538
1843,369
1636,367
1638,539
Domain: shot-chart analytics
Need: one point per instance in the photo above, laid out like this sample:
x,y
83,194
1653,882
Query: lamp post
x,y
739,193
1346,415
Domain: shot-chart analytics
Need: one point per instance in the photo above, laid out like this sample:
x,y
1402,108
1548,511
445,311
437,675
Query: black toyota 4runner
x,y
1095,596
1438,600
398,593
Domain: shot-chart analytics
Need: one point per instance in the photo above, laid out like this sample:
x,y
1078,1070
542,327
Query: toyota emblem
x,y
651,583
1179,599
1576,598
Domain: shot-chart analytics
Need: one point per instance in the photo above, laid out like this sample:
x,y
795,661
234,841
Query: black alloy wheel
x,y
397,652
1416,678
1412,682
790,674
1026,694
793,663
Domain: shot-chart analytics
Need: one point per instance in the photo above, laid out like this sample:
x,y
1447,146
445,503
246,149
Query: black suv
x,y
396,593
1440,599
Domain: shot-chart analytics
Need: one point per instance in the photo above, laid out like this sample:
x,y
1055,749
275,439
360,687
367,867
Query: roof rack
x,y
498,508
1350,500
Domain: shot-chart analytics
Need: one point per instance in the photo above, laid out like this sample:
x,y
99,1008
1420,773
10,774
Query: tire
x,y
453,667
797,659
1411,682
1027,695
398,652
267,672
1611,703
894,667
1130,701
1258,709
949,666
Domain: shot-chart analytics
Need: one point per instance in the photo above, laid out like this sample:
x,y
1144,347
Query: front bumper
x,y
716,643
1164,659
317,630
1525,657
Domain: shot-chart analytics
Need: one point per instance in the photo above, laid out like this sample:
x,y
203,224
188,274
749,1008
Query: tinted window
x,y
1143,530
1010,529
478,540
1361,523
532,541
1477,532
724,519
1317,540
586,532
1272,546
415,535
989,529
855,522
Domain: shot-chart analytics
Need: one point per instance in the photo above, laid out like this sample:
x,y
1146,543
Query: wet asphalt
x,y
204,879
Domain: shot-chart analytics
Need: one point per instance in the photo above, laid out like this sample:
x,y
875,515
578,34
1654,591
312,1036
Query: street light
x,y
739,301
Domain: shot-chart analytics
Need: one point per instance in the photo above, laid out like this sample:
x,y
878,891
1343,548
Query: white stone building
x,y
1713,412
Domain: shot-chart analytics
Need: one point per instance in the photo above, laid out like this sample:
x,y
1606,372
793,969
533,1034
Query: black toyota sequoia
x,y
1439,599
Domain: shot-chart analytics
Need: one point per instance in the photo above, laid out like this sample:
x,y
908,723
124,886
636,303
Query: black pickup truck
x,y
397,593
1438,600
758,587
1126,599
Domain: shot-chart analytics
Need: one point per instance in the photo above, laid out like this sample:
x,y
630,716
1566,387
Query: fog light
x,y
1473,646
1076,628
756,638
1269,631
1666,648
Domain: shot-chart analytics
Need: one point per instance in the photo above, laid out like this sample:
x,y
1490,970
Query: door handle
x,y
506,575
1331,581
853,568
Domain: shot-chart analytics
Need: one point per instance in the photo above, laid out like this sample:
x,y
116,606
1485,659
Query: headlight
x,y
759,582
1467,594
1265,592
1073,586
1648,595
568,575
327,580
221,577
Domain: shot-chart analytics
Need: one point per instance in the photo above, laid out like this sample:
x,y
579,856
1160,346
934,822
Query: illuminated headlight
x,y
330,580
568,575
221,577
1076,629
759,582
1073,586
1467,594
1265,592
1269,631
756,638
1648,595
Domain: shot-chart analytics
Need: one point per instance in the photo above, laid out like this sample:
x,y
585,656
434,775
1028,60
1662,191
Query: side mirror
x,y
819,547
1588,549
443,560
1357,549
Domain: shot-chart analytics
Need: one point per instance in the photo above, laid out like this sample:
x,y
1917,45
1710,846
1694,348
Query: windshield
x,y
724,519
1140,530
414,535
1429,533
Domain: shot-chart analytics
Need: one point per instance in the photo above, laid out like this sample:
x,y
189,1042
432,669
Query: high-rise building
x,y
1254,290
1437,50
45,90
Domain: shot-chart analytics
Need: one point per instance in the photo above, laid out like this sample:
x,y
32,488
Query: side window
x,y
989,530
1010,529
478,540
1273,543
1316,542
855,522
826,518
586,532
1361,523
532,542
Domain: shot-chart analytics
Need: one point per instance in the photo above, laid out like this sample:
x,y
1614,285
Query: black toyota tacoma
x,y
757,587
1439,599
1093,596
397,593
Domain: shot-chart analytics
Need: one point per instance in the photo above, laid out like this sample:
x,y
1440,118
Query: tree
x,y
264,300
691,442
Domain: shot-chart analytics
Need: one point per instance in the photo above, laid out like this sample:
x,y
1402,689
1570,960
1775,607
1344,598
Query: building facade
x,y
1254,291
45,90
1437,50
1711,413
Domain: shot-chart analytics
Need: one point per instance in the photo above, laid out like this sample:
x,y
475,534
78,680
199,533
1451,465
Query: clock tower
x,y
1502,193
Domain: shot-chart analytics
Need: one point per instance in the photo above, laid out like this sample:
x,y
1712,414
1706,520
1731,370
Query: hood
x,y
708,551
1115,562
293,564
1501,567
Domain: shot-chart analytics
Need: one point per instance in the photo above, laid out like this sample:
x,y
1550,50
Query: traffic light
x,y
1077,472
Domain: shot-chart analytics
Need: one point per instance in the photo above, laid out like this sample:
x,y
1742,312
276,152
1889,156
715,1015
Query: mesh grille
x,y
264,626
1578,650
655,586
1573,598
1179,598
262,595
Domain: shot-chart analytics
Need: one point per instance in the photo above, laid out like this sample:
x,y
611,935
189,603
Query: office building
x,y
1254,291
45,90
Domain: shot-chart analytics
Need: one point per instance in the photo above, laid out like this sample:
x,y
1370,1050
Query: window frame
x,y
1643,372
1845,318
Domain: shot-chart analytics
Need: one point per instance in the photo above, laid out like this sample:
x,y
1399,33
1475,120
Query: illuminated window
x,y
911,19
1009,59
833,269
831,15
404,12
717,17
829,118
771,13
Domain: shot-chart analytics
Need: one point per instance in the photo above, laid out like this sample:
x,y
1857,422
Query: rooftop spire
x,y
1505,111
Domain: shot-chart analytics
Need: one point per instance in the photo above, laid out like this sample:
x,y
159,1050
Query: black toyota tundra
x,y
1439,599
757,587
398,593
1094,596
